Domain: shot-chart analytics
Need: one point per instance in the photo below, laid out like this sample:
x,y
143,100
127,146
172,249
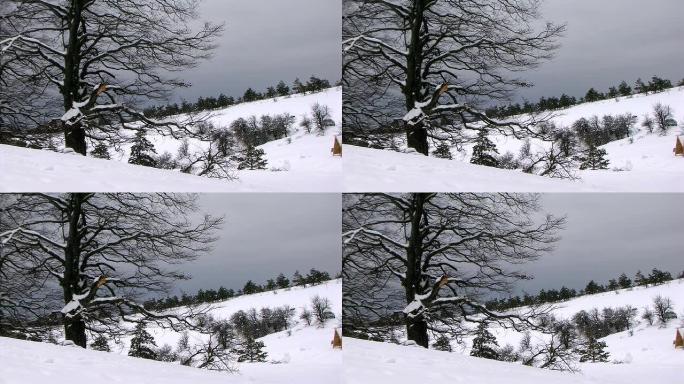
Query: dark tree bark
x,y
107,250
431,62
441,251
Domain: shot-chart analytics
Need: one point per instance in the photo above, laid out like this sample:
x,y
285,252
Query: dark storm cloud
x,y
266,41
607,234
266,234
608,41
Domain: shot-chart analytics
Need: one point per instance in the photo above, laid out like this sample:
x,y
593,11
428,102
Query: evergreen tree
x,y
640,87
639,279
592,95
442,151
282,281
483,151
251,352
592,288
624,89
142,151
593,351
100,151
297,279
252,159
298,87
624,281
484,344
250,95
442,344
282,88
594,158
250,288
100,344
142,344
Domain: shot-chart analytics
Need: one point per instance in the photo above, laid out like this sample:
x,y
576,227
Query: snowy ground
x,y
306,354
306,159
646,356
648,163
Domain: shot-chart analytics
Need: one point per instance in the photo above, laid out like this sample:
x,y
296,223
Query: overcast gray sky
x,y
608,41
266,234
266,41
607,234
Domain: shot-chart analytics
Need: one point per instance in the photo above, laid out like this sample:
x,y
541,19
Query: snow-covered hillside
x,y
647,164
304,160
304,352
647,355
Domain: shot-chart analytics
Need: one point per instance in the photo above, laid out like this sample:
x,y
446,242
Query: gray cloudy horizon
x,y
606,235
606,42
264,235
266,41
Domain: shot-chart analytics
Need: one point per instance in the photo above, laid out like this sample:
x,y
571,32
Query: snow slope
x,y
645,356
306,354
306,159
648,162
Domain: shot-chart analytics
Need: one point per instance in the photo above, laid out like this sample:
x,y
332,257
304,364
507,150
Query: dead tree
x,y
428,63
101,57
103,252
430,256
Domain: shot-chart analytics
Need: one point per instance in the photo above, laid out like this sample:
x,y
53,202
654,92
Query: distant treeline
x,y
206,296
314,84
656,84
553,295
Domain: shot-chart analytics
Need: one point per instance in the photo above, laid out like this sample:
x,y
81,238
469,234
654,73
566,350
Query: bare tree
x,y
663,117
429,62
101,57
429,256
664,309
103,251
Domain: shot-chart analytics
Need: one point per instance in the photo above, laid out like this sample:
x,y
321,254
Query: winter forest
x,y
448,80
101,79
341,191
101,272
427,272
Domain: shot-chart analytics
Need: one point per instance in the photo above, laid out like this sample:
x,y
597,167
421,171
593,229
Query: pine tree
x,y
252,159
442,151
624,281
484,344
142,151
592,95
282,281
639,279
251,351
282,88
594,158
100,151
100,344
297,279
442,344
142,344
483,151
593,351
624,89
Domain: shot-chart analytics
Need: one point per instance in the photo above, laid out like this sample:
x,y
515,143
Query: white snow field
x,y
305,352
648,164
646,356
305,160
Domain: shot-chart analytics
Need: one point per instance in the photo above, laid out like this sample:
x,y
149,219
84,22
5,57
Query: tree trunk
x,y
74,327
417,330
74,138
416,138
416,327
75,330
74,135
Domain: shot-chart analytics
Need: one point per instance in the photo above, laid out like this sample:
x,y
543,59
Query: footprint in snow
x,y
391,361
